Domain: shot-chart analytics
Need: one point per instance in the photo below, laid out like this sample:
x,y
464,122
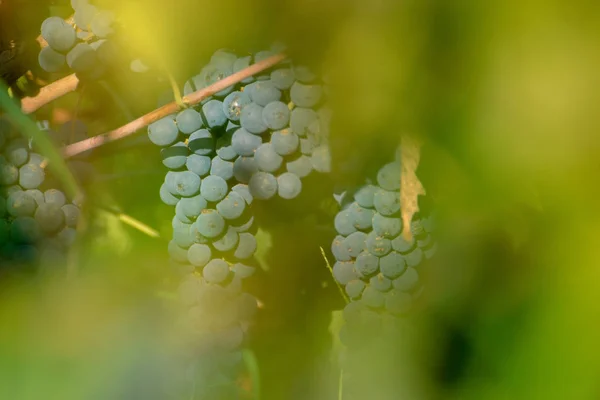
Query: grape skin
x,y
233,104
200,165
300,120
175,156
222,168
407,281
355,288
367,264
392,265
51,60
232,206
386,226
213,113
343,272
244,168
282,78
306,95
251,119
262,185
50,217
210,223
201,142
302,166
216,271
246,246
213,188
289,185
263,92
186,183
244,143
31,176
189,120
163,132
267,159
284,142
228,241
199,254
58,34
276,115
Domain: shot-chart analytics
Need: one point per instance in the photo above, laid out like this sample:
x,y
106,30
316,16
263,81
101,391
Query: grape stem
x,y
171,108
49,93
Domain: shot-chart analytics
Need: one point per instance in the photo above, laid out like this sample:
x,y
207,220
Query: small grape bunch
x,y
83,47
37,222
377,266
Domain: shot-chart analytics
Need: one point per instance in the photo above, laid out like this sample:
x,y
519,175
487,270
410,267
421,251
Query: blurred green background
x,y
504,96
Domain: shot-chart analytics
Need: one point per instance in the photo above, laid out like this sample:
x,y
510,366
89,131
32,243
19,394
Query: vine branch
x,y
153,116
49,93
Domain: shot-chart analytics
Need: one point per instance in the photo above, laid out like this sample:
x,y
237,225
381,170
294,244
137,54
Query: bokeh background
x,y
504,96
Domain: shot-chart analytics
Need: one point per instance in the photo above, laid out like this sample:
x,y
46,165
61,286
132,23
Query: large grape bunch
x,y
84,46
377,266
37,223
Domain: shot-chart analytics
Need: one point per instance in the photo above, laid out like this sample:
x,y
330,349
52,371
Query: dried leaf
x,y
410,185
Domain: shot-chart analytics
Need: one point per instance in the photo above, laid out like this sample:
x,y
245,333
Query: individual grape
x,y
392,265
397,302
343,272
307,145
263,185
9,174
183,237
388,177
242,271
267,159
401,245
31,176
373,298
213,188
244,143
50,217
223,59
210,223
213,112
304,74
365,196
354,244
302,166
425,242
386,226
386,203
240,64
232,206
340,249
222,168
163,132
199,254
166,196
7,191
276,115
84,14
263,92
378,245
189,120
50,60
321,159
282,78
20,204
245,226
228,241
289,185
200,165
306,95
59,34
216,271
246,246
201,142
414,258
186,183
251,119
67,236
82,58
263,55
177,253
191,207
361,217
417,229
233,104
25,229
301,119
16,152
354,288
175,156
407,281
284,142
244,168
71,213
101,23
225,149
344,223
367,264
380,282
212,74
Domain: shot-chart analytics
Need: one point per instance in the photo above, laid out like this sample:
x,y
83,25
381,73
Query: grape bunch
x,y
377,266
37,223
84,47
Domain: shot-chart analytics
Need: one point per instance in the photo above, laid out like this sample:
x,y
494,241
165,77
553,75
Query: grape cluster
x,y
377,266
84,47
37,223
